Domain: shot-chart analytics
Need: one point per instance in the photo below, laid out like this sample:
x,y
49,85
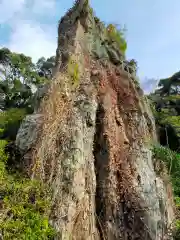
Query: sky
x,y
153,36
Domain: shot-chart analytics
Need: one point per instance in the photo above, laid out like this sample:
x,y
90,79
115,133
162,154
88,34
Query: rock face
x,y
28,132
94,146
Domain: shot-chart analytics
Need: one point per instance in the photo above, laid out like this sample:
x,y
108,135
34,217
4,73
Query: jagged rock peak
x,y
80,6
102,42
94,145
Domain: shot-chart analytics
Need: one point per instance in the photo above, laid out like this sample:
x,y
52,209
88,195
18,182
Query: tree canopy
x,y
19,78
165,102
18,75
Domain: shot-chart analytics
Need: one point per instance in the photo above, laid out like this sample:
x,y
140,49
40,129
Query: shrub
x,y
73,71
116,35
97,20
91,11
177,231
169,157
172,161
3,160
24,205
10,121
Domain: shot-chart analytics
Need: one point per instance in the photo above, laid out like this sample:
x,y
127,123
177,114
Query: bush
x,y
24,205
177,232
3,160
10,121
116,35
73,71
172,161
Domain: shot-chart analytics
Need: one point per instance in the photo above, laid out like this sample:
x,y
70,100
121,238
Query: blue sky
x,y
153,36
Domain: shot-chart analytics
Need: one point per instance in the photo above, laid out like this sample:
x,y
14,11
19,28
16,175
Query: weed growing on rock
x,y
116,35
91,11
97,20
73,71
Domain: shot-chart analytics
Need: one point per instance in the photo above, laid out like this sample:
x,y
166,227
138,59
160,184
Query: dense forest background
x,y
165,103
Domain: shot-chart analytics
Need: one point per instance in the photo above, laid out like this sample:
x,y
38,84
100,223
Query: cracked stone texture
x,y
105,186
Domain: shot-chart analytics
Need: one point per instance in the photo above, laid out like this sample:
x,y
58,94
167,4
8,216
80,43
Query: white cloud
x,y
28,35
9,9
41,6
149,84
31,39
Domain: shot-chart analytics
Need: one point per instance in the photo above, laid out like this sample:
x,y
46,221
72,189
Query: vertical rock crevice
x,y
98,160
101,157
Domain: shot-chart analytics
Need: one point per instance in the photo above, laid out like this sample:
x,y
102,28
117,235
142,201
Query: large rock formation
x,y
92,143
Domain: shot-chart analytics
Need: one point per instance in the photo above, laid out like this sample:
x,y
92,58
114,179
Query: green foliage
x,y
152,105
19,75
24,206
133,64
165,85
162,115
117,35
45,66
168,117
170,85
177,234
74,73
16,94
3,160
10,121
15,66
97,20
18,66
174,121
166,109
171,98
171,159
172,162
24,203
91,11
167,103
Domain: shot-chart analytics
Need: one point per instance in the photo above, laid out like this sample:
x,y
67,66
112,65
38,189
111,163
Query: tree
x,y
18,74
45,66
166,102
170,85
166,108
15,66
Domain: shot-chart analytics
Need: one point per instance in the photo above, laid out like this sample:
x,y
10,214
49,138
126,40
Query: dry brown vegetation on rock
x,y
92,147
55,109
